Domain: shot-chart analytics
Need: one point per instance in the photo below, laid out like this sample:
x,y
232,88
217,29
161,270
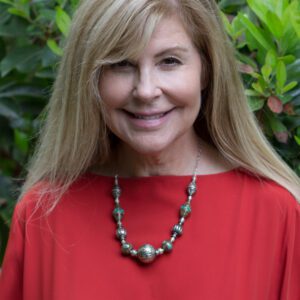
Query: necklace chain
x,y
147,253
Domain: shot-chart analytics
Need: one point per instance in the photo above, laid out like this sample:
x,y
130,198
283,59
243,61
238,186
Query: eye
x,y
171,61
124,64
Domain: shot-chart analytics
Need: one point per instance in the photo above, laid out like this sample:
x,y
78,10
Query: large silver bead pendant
x,y
146,253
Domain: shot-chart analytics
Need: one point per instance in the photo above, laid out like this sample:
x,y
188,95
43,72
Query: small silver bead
x,y
116,191
181,221
159,251
117,202
121,233
126,248
173,238
192,188
133,252
177,229
119,223
118,213
185,210
123,241
167,246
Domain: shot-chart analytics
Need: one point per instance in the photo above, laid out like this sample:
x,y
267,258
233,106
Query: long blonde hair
x,y
74,136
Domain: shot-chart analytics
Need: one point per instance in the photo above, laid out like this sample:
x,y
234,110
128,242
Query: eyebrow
x,y
176,48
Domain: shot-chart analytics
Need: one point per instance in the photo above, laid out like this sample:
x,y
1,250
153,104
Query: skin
x,y
152,104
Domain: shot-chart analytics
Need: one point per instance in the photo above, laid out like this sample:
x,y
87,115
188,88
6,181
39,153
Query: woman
x,y
148,90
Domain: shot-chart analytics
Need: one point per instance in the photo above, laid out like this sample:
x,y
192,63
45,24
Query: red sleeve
x,y
11,277
291,281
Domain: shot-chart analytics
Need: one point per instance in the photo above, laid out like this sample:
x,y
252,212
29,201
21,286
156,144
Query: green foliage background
x,y
266,36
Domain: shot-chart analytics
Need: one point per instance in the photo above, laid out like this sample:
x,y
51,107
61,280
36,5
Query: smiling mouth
x,y
147,117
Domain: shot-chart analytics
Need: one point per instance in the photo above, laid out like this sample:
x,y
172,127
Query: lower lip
x,y
149,124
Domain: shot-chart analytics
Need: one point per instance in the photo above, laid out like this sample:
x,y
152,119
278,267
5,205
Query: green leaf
x,y
257,33
15,28
285,98
246,60
274,24
289,86
54,47
24,91
2,49
257,87
74,3
271,59
256,75
15,57
255,103
266,71
227,24
63,21
237,27
23,59
297,139
46,14
259,8
49,59
295,17
280,75
30,64
21,141
4,16
251,93
18,12
230,5
45,74
287,59
8,112
6,2
276,124
280,7
294,70
262,83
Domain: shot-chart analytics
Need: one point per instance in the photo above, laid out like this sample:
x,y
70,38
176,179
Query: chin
x,y
149,148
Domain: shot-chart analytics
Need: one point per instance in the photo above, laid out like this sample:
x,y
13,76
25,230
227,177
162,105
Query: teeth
x,y
153,117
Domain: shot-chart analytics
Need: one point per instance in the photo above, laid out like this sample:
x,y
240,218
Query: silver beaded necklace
x,y
147,253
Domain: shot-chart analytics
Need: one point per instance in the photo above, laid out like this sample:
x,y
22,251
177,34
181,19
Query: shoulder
x,y
265,192
42,197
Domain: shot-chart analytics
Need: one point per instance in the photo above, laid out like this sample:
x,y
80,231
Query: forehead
x,y
158,29
169,33
170,29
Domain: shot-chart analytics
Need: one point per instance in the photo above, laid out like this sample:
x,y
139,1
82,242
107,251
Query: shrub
x,y
31,33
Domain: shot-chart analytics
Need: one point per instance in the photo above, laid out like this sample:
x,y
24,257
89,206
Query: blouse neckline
x,y
163,177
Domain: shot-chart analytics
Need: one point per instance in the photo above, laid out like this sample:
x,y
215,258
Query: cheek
x,y
187,89
114,90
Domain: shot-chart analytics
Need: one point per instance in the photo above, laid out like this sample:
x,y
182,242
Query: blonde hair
x,y
74,136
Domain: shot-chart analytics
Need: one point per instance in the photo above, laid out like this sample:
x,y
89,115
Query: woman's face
x,y
152,103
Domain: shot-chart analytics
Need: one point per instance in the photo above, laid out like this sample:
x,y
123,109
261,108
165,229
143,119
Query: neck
x,y
179,159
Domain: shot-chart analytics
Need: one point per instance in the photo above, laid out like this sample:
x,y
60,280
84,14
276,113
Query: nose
x,y
146,86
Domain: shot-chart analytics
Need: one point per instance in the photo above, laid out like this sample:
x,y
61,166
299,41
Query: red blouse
x,y
241,242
